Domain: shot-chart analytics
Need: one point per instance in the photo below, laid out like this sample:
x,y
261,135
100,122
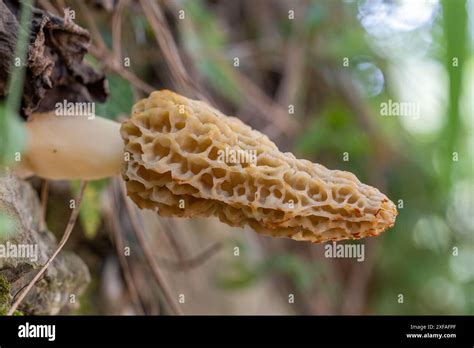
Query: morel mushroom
x,y
176,161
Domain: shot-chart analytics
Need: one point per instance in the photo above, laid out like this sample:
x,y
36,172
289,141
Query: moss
x,y
86,300
5,297
5,288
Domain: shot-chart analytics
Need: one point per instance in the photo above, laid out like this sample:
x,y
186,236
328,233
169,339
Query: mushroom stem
x,y
71,147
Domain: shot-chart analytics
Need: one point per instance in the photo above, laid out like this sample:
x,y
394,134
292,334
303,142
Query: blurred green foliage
x,y
120,100
206,41
427,257
90,214
12,134
243,272
333,124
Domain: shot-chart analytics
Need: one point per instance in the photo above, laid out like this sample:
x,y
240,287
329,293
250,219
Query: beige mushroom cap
x,y
188,159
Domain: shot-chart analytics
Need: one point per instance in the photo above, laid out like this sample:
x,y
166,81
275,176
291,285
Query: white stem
x,y
74,147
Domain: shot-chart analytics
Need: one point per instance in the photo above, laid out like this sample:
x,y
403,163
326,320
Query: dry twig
x,y
148,254
67,233
196,261
117,30
116,230
167,45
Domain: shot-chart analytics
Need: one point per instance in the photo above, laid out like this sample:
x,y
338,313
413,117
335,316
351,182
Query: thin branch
x,y
102,53
117,30
148,254
92,26
116,230
196,261
267,107
104,56
170,236
134,80
167,45
182,263
293,73
279,122
67,233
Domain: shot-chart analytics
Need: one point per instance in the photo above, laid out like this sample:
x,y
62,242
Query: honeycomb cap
x,y
188,159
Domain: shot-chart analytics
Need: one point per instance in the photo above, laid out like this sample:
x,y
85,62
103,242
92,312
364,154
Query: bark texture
x,y
55,66
67,276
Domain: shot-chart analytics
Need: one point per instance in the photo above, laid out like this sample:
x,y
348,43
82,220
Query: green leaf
x,y
238,273
334,131
90,214
237,276
221,78
210,33
120,101
300,272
